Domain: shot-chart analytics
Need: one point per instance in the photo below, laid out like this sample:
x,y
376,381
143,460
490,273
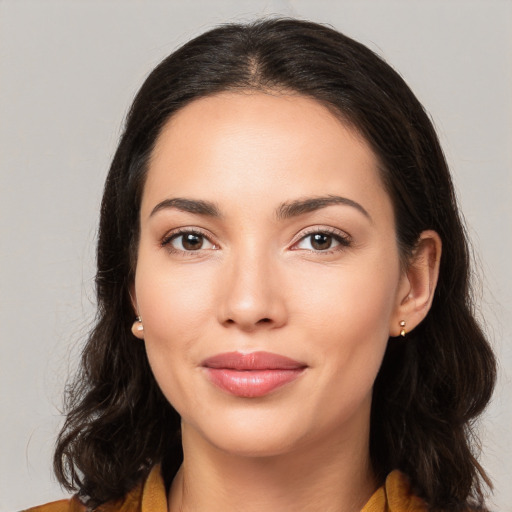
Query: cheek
x,y
348,313
353,298
175,307
174,302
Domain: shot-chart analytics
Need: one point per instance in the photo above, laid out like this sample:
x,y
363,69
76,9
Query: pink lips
x,y
251,375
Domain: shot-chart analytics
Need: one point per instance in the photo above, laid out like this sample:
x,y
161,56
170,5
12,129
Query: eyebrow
x,y
196,206
310,204
284,211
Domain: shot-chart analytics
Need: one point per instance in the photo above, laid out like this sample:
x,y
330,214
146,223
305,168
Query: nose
x,y
251,295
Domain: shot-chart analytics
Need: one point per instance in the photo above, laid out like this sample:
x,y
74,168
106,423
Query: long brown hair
x,y
431,386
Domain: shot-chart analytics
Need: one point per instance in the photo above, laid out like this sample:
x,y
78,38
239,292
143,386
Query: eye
x,y
187,241
322,241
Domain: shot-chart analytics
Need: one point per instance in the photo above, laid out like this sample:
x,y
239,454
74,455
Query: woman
x,y
284,314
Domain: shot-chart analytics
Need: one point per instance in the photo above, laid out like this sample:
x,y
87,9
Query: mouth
x,y
251,375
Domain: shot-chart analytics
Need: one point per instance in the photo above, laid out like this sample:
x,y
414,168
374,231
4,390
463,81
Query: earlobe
x,y
419,284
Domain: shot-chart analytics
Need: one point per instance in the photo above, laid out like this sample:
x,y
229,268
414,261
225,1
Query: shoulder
x,y
71,505
148,496
129,503
400,498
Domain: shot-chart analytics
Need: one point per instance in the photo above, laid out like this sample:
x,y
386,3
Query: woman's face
x,y
268,276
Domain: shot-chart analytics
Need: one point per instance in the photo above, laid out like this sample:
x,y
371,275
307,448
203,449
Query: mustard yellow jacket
x,y
150,496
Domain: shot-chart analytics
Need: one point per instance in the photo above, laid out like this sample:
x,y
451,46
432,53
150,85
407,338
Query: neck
x,y
327,476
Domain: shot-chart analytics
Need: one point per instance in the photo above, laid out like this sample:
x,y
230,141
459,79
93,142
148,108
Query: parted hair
x,y
431,386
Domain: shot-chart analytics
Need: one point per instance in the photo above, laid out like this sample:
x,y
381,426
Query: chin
x,y
248,433
256,445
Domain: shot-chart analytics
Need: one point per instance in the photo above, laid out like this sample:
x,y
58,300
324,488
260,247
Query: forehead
x,y
261,145
256,113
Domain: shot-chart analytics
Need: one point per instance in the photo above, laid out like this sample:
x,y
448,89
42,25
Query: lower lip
x,y
252,383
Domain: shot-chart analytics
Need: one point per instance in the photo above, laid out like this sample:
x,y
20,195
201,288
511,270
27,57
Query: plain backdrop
x,y
68,72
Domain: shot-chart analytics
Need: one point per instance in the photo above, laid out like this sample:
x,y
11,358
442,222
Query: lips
x,y
251,375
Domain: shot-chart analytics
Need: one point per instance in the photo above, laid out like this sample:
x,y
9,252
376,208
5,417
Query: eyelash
x,y
170,237
342,239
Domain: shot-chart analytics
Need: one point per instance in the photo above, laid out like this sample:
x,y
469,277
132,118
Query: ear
x,y
417,284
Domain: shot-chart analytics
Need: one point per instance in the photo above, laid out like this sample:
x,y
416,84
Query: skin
x,y
258,282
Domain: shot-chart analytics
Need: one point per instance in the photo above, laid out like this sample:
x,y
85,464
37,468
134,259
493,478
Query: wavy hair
x,y
431,386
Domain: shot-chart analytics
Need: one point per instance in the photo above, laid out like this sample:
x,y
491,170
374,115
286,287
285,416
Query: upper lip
x,y
252,361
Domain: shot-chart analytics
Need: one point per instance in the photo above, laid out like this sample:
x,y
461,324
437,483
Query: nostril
x,y
250,325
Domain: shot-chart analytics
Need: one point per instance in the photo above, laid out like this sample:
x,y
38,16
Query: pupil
x,y
192,242
321,241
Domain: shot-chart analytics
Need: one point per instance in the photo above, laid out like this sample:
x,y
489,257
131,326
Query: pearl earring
x,y
402,332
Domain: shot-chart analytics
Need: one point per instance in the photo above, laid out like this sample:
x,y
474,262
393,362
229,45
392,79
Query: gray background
x,y
68,71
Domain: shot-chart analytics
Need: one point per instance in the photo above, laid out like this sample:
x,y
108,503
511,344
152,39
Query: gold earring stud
x,y
402,331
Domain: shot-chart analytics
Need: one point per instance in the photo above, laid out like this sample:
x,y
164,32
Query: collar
x,y
395,496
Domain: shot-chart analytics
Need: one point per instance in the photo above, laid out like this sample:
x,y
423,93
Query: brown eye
x,y
191,242
321,241
187,241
